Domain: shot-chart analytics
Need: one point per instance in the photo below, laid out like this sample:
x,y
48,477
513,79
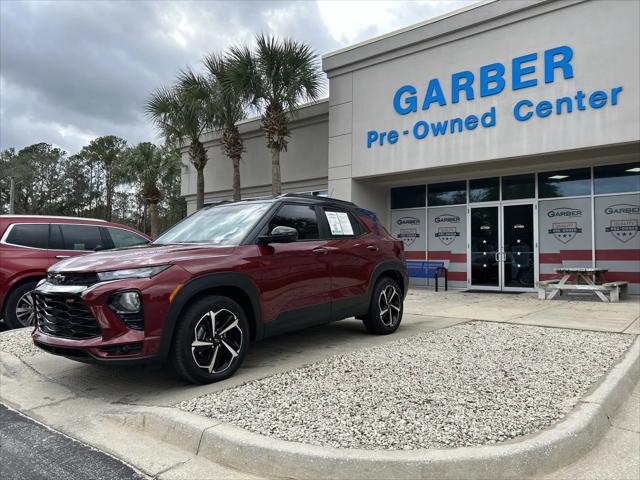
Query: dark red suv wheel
x,y
211,340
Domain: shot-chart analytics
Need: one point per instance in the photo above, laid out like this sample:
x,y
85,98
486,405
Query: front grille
x,y
65,316
64,278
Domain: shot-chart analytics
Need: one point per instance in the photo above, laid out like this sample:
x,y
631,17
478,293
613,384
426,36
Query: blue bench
x,y
428,269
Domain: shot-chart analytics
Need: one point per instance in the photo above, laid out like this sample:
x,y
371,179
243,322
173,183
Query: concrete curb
x,y
536,454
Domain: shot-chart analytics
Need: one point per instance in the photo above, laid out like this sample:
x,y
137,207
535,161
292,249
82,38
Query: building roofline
x,y
409,28
467,21
306,111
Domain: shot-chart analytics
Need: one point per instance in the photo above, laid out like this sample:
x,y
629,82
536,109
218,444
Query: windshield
x,y
221,225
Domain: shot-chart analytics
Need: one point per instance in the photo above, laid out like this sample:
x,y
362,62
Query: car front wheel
x,y
385,310
19,310
211,340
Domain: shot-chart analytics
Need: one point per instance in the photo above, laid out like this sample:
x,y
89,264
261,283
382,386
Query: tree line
x,y
108,179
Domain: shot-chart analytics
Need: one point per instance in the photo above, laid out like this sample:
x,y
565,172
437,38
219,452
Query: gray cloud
x,y
71,71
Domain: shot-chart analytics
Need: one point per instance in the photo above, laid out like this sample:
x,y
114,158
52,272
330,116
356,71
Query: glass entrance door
x,y
502,247
485,247
518,247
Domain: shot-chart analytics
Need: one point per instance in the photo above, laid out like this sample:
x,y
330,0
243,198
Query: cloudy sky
x,y
72,71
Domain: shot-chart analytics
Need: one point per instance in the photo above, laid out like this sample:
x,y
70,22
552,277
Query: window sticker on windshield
x,y
339,223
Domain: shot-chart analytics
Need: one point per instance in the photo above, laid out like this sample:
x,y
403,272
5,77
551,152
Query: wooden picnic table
x,y
588,279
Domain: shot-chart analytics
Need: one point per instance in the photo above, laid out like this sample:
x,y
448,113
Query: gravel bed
x,y
472,384
18,342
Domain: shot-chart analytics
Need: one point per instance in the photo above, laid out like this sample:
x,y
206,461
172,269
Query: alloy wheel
x,y
389,304
217,340
25,310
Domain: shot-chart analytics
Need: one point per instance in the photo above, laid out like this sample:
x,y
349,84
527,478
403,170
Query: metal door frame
x,y
497,205
534,214
500,205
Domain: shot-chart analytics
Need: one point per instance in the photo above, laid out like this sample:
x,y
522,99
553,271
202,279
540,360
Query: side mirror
x,y
280,234
99,248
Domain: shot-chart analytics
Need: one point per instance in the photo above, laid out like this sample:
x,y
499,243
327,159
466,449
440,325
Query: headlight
x,y
145,272
125,302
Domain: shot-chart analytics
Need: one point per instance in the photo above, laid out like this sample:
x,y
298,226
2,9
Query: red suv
x,y
30,244
222,277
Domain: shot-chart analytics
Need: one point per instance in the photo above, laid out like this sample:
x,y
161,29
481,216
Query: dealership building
x,y
503,139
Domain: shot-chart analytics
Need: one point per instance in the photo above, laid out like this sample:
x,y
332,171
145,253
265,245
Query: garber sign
x,y
491,80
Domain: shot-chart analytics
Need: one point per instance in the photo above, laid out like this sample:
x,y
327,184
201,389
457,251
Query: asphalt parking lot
x,y
33,451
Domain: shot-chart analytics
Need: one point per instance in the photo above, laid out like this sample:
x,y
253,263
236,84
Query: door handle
x,y
62,256
373,248
320,251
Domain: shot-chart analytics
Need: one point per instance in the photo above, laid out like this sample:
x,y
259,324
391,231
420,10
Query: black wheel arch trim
x,y
199,285
381,268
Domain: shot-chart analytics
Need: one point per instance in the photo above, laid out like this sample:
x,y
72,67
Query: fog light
x,y
125,302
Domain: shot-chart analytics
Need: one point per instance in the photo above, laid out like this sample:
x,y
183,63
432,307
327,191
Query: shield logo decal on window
x,y
447,234
623,230
565,232
408,236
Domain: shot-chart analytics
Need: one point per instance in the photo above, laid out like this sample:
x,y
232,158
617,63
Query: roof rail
x,y
316,197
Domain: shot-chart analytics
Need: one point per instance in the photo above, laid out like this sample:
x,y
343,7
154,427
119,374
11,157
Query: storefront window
x,y
450,193
617,178
484,190
515,187
564,183
408,197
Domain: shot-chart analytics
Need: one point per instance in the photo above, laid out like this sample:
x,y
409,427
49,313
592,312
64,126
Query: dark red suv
x,y
225,276
30,244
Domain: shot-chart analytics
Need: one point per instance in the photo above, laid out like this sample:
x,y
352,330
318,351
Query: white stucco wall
x,y
303,166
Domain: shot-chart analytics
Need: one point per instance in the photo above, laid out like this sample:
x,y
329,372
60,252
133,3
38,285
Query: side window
x,y
341,223
125,238
35,235
301,217
81,237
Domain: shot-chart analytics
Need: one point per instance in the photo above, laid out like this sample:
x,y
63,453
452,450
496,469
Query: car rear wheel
x,y
385,311
19,310
211,340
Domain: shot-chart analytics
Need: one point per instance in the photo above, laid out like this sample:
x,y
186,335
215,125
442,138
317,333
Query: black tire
x,y
378,321
13,317
211,360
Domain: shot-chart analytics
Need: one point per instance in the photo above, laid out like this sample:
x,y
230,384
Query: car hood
x,y
138,257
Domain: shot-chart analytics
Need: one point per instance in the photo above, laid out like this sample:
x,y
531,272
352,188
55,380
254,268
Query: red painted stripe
x,y
415,255
565,255
457,276
631,277
447,255
618,254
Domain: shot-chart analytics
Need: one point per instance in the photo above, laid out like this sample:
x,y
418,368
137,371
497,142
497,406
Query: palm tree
x,y
183,112
149,167
229,110
276,77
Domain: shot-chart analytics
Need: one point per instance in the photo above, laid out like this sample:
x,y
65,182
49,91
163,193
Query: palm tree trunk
x,y
200,188
198,156
276,184
236,178
153,219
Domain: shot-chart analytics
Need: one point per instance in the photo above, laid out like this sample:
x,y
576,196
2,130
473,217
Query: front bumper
x,y
113,340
